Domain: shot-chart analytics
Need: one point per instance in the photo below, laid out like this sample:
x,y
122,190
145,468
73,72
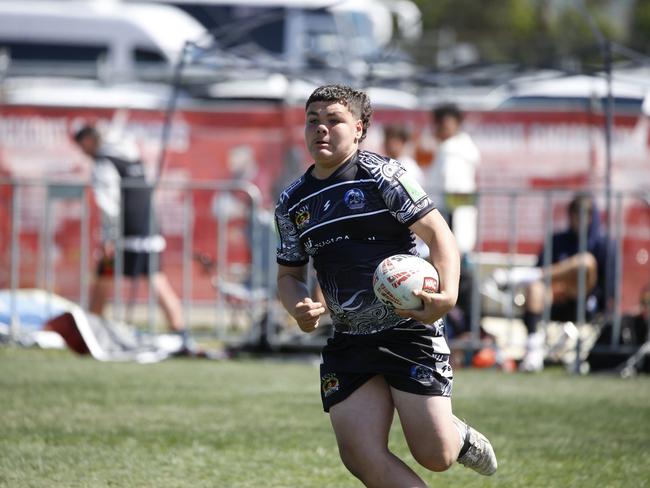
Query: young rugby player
x,y
349,211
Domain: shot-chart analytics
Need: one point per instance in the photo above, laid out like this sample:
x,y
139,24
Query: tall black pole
x,y
609,124
169,113
605,46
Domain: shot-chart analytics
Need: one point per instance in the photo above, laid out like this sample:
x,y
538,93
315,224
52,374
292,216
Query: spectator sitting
x,y
564,273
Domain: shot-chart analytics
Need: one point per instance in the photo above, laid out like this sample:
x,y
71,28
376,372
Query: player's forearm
x,y
444,254
291,291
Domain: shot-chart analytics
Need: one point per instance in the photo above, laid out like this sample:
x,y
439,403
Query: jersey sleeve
x,y
404,196
290,251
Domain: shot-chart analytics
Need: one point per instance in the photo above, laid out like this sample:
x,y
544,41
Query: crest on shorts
x,y
329,384
422,374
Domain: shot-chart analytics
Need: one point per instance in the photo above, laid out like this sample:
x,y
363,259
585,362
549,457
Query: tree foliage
x,y
539,33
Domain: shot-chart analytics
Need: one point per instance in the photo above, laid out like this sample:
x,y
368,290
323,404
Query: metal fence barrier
x,y
223,253
49,229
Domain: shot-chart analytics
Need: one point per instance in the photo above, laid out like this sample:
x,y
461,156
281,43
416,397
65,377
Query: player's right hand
x,y
307,312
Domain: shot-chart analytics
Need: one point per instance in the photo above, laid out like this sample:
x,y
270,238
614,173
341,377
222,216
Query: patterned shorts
x,y
414,359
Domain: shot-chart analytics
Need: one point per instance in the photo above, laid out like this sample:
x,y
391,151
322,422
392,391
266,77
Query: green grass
x,y
69,421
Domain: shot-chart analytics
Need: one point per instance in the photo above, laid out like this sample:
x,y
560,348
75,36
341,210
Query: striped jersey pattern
x,y
347,224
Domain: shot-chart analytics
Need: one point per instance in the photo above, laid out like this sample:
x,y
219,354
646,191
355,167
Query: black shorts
x,y
566,311
413,359
134,264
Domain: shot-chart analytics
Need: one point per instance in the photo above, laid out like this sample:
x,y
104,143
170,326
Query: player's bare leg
x,y
429,429
361,424
566,273
437,439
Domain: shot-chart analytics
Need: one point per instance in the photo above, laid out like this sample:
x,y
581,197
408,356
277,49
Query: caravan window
x,y
148,56
49,51
240,26
56,59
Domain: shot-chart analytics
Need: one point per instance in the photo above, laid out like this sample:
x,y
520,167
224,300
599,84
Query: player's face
x,y
332,133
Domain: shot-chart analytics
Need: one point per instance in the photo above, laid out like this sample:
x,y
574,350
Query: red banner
x,y
263,144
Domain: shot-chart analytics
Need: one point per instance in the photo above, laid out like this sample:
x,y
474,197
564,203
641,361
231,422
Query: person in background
x,y
111,167
563,274
396,140
347,212
452,175
451,179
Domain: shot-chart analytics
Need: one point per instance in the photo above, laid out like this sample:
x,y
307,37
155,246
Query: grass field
x,y
67,421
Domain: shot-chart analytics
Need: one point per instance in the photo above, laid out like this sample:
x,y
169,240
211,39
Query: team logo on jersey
x,y
354,199
389,169
329,384
302,217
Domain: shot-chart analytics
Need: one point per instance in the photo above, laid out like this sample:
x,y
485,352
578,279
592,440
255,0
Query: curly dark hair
x,y
356,101
446,110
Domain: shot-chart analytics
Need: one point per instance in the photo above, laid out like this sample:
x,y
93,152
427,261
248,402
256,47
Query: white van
x,y
300,34
106,40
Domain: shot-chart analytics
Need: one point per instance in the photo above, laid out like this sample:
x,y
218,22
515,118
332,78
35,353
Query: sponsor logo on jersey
x,y
329,384
412,187
311,247
302,217
354,199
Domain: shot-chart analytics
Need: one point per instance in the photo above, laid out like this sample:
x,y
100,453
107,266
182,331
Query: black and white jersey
x,y
120,188
348,223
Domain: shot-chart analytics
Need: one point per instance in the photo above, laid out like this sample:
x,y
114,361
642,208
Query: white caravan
x,y
106,40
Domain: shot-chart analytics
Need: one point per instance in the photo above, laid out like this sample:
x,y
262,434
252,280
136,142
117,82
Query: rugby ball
x,y
396,277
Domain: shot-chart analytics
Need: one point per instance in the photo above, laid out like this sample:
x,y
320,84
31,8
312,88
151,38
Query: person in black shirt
x,y
140,238
347,212
563,272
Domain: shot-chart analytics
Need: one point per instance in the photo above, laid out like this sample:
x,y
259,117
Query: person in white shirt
x,y
451,179
452,174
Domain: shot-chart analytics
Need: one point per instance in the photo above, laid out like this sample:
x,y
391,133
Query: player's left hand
x,y
307,312
436,305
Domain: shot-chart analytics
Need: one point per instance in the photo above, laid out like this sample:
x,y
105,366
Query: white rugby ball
x,y
396,277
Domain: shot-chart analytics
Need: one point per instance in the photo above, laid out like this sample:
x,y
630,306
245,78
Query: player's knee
x,y
437,461
357,460
589,263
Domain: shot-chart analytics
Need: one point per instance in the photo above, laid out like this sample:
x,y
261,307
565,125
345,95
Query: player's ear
x,y
359,129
